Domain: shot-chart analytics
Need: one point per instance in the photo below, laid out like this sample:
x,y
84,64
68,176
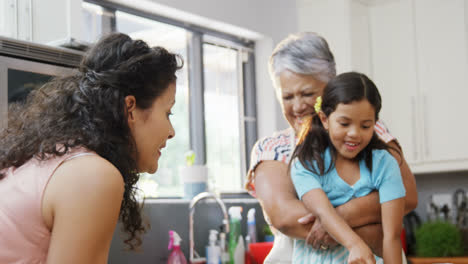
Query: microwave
x,y
25,66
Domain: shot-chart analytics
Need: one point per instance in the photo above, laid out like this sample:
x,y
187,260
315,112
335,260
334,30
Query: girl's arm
x,y
316,201
392,218
83,199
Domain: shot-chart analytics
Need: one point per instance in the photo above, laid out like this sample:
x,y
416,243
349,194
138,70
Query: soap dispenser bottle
x,y
176,256
223,247
213,252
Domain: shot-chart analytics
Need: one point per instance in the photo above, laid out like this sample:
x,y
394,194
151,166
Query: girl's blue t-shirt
x,y
384,177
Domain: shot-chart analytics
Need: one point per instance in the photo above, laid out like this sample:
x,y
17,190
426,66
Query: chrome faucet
x,y
194,256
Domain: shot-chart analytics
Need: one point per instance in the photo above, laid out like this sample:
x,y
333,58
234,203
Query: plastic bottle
x,y
239,252
223,248
213,252
235,218
251,226
176,256
247,250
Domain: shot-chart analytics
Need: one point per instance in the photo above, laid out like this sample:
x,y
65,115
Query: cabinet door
x,y
441,50
394,72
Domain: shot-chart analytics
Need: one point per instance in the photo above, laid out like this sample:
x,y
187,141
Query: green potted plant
x,y
269,237
438,241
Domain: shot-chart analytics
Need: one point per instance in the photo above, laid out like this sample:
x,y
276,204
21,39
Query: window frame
x,y
197,37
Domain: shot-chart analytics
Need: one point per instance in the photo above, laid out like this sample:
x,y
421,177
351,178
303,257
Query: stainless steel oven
x,y
25,66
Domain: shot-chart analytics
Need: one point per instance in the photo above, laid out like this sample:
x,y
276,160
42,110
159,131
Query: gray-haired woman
x,y
300,67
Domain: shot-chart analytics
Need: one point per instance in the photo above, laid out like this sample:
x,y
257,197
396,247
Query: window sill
x,y
229,197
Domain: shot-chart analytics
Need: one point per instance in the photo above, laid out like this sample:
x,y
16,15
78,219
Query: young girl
x,y
339,157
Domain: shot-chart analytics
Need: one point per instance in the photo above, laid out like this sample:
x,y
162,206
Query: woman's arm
x,y
411,199
275,192
392,219
372,234
316,201
361,211
83,197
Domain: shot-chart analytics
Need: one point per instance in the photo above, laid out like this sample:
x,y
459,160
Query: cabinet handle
x,y
413,119
426,131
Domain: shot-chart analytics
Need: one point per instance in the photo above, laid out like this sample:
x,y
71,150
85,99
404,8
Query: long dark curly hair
x,y
313,139
88,110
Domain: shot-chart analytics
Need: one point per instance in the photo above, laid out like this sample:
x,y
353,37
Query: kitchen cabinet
x,y
50,22
419,61
416,53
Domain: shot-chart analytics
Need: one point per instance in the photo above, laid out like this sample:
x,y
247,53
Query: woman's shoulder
x,y
282,137
85,170
383,132
96,166
87,190
81,181
278,147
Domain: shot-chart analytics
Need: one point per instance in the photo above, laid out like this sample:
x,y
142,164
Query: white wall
x,y
331,19
273,19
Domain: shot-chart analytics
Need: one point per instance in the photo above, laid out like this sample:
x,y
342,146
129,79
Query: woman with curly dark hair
x,y
70,157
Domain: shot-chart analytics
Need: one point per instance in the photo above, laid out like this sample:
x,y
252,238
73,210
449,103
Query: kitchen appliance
x,y
25,66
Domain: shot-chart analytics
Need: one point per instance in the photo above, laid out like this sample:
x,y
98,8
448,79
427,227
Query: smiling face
x,y
151,128
298,94
350,127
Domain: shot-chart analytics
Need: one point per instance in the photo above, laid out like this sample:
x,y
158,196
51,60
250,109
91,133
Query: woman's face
x,y
350,127
151,128
298,94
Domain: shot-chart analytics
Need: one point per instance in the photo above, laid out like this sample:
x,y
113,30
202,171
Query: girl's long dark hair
x,y
88,110
314,139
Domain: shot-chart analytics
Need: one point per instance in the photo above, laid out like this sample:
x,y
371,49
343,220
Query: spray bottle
x,y
234,230
239,252
176,256
251,229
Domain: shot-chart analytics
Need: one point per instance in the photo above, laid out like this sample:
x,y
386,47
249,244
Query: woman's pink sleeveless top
x,y
24,237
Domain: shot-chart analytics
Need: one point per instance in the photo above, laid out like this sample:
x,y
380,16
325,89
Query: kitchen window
x,y
214,114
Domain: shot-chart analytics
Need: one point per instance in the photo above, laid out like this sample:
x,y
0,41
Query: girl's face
x,y
350,127
298,94
151,128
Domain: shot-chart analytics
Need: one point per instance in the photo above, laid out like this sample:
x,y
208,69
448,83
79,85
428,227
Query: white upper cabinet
x,y
419,62
416,53
442,67
394,72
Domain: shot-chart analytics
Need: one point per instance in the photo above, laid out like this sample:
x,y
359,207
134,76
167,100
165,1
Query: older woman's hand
x,y
318,237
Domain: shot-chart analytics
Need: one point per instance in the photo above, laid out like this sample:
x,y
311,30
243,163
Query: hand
x,y
360,253
319,238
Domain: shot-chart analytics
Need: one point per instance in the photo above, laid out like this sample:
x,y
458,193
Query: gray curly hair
x,y
303,53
